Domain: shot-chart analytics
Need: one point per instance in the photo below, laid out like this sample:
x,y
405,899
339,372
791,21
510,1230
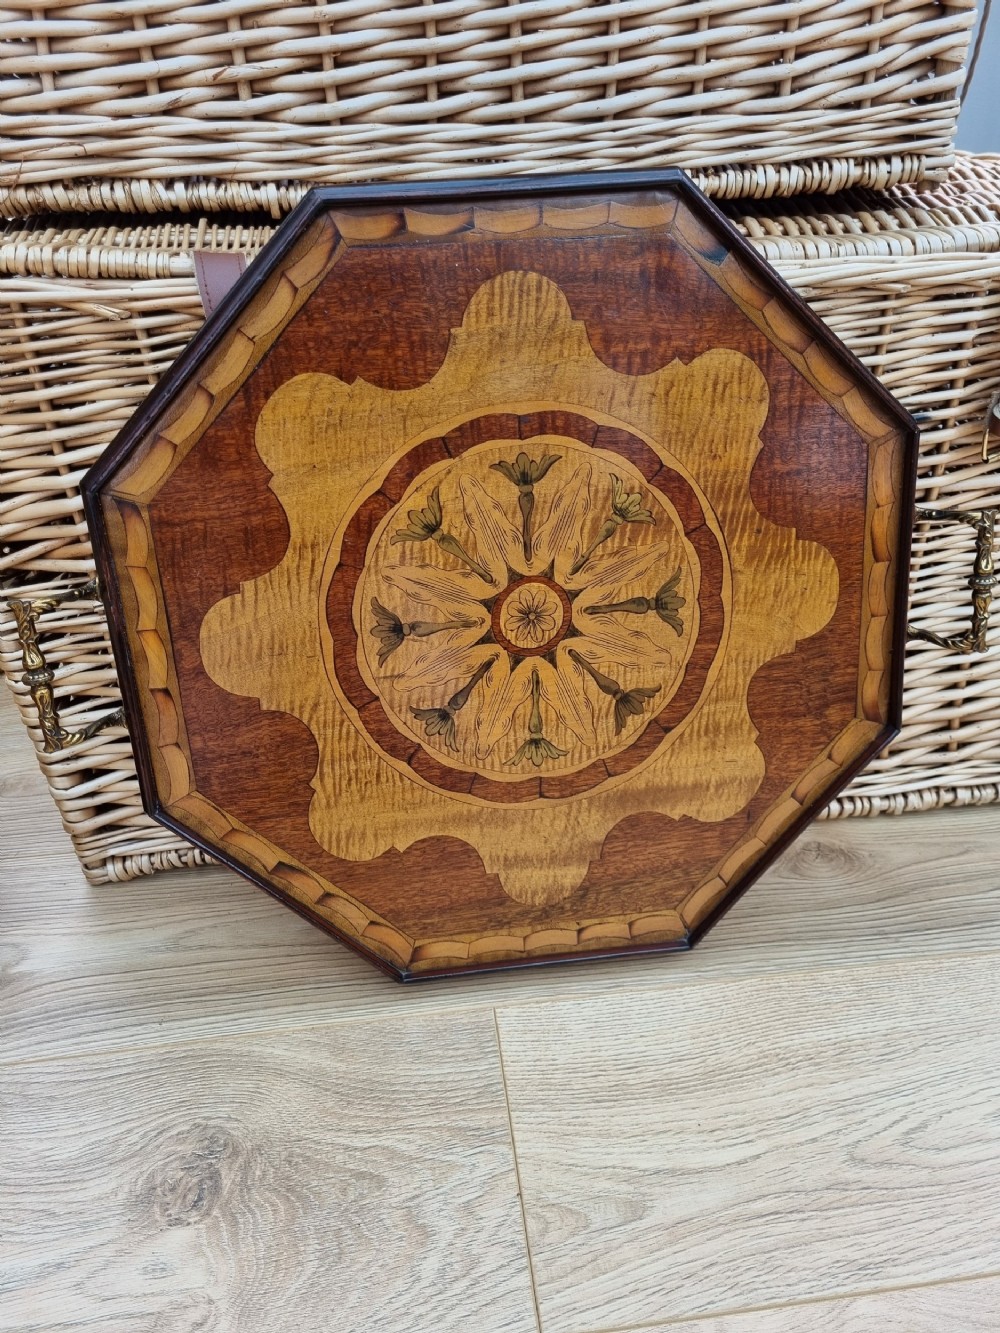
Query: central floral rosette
x,y
530,616
527,607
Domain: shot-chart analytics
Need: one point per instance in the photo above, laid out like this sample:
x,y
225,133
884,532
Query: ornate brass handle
x,y
39,676
982,580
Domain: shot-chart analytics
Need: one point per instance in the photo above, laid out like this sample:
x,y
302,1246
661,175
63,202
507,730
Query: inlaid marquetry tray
x,y
508,571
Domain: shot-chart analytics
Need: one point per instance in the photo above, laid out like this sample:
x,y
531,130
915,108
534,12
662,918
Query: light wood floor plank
x,y
202,954
732,1145
352,1178
950,1307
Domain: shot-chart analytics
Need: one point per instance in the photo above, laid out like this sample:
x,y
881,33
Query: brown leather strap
x,y
217,271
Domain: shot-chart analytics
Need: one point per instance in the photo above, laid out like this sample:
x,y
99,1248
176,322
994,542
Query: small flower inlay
x,y
530,618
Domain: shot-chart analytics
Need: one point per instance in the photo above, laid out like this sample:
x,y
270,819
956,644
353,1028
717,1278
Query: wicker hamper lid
x,y
242,106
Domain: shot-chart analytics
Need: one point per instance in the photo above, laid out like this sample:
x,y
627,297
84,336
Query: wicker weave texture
x,y
142,108
912,285
90,316
94,785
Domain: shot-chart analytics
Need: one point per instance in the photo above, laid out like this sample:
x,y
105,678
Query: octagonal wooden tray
x,y
508,571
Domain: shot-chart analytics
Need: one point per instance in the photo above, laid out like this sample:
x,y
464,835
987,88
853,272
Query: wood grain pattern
x,y
196,956
739,1145
971,1307
334,1178
211,1121
643,315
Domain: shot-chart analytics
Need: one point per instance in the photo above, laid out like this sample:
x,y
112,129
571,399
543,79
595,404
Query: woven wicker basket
x,y
142,108
90,316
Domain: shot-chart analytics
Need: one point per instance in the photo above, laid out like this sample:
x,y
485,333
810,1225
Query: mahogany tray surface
x,y
508,571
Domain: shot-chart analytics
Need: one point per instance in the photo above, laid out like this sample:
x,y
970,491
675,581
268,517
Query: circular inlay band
x,y
479,631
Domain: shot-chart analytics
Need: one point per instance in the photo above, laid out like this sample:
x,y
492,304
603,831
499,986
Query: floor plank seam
x,y
517,1173
805,1302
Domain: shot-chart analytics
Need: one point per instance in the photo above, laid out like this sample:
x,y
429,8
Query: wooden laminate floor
x,y
214,1119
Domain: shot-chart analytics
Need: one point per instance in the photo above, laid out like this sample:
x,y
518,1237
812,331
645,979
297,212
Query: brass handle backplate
x,y
982,580
39,676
